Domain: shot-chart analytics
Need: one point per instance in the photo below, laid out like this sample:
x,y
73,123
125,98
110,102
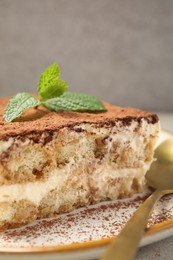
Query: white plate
x,y
85,233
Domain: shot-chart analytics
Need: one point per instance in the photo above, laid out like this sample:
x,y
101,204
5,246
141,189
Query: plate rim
x,y
39,250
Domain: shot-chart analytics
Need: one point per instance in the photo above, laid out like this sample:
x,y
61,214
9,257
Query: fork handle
x,y
124,246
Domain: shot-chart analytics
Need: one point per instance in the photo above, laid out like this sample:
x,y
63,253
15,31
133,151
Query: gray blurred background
x,y
118,50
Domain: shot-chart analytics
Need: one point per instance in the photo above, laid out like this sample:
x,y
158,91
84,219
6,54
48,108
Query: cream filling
x,y
102,180
7,213
33,191
4,145
36,191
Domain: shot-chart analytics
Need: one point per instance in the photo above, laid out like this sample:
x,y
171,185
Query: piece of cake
x,y
54,162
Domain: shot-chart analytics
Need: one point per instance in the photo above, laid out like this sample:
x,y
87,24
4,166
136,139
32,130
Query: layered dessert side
x,y
54,162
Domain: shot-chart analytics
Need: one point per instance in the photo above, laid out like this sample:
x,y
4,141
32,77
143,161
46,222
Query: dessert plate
x,y
85,233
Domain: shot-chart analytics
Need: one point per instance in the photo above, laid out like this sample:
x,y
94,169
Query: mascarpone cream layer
x,y
36,191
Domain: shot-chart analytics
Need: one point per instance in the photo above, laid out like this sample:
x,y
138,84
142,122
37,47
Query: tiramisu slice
x,y
54,162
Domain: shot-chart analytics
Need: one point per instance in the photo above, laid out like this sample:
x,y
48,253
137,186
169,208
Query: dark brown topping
x,y
35,121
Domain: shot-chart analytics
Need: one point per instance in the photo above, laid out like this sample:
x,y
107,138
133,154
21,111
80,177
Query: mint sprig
x,y
74,102
49,85
51,90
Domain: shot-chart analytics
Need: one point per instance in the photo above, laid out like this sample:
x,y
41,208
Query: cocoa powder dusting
x,y
36,121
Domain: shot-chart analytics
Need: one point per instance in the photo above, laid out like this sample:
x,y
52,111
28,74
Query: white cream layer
x,y
36,191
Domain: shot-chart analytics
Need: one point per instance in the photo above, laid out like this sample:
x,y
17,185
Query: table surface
x,y
162,249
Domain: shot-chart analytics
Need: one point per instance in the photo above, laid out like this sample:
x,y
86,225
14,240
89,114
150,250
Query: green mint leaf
x,y
51,74
55,89
50,86
74,102
18,104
